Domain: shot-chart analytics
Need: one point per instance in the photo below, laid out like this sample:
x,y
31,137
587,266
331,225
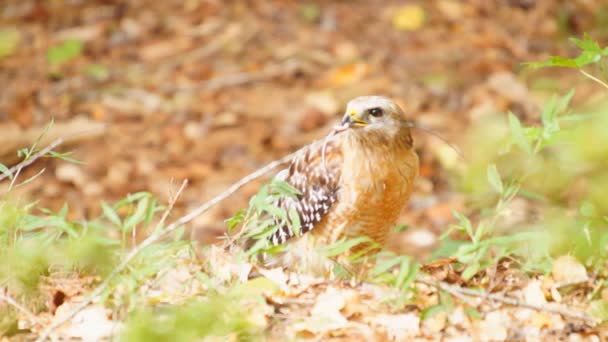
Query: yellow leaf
x,y
408,18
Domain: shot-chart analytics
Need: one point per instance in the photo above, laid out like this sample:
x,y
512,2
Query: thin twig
x,y
459,291
11,301
157,235
172,201
15,169
593,78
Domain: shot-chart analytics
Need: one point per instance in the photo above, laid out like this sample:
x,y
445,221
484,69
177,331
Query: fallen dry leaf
x,y
493,327
398,327
567,269
408,18
533,294
90,324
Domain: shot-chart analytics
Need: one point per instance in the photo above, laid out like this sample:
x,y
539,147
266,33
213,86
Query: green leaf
x,y
592,53
588,210
284,188
446,299
64,52
309,12
275,211
431,311
548,114
255,286
517,134
139,214
563,102
110,214
587,44
344,245
6,171
473,313
411,276
471,270
587,57
152,209
598,309
385,265
235,220
464,222
404,270
294,219
401,228
63,212
98,72
341,272
554,61
65,156
494,178
178,234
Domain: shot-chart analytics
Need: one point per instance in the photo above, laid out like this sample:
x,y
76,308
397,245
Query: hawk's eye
x,y
376,112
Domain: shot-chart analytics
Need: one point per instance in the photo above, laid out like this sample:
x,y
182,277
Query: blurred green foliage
x,y
62,53
240,315
9,41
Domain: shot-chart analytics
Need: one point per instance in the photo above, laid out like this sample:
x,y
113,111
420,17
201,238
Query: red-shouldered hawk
x,y
358,181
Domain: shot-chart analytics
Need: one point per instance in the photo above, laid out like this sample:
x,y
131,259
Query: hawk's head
x,y
376,115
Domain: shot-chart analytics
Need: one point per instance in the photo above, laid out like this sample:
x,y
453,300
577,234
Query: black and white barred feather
x,y
317,180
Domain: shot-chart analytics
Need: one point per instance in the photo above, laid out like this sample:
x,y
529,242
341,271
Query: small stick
x,y
32,159
11,301
459,291
157,235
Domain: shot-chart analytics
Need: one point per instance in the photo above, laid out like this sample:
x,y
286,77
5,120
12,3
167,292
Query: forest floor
x,y
149,93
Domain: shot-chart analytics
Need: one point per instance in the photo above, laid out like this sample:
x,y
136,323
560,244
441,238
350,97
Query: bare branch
x,y
11,301
458,291
17,168
155,236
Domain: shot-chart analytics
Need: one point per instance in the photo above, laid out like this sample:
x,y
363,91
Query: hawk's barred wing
x,y
316,178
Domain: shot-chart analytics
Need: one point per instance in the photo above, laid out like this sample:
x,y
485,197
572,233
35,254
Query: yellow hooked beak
x,y
352,119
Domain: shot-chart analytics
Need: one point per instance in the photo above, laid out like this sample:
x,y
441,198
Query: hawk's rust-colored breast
x,y
374,187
